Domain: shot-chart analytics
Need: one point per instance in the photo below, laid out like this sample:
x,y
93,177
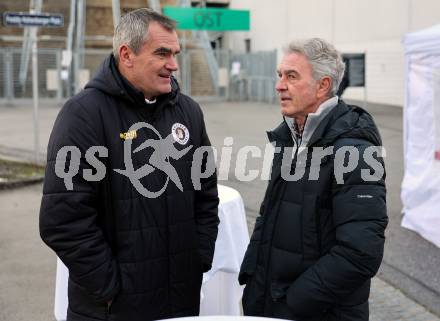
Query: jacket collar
x,y
339,122
313,119
281,134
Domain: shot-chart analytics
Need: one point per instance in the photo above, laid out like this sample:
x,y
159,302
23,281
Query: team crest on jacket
x,y
180,133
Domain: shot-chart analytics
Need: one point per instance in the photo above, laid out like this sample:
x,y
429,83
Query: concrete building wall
x,y
375,27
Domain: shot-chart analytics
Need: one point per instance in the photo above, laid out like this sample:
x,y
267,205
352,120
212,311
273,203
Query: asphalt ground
x,y
408,284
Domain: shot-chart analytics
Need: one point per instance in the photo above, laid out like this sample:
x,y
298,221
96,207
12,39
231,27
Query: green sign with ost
x,y
209,18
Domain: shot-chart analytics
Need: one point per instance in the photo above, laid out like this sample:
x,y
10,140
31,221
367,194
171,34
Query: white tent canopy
x,y
421,183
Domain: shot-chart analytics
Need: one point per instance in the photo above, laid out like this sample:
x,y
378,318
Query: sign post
x,y
34,20
35,93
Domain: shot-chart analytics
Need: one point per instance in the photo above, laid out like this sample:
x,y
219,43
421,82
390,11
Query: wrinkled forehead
x,y
159,37
294,62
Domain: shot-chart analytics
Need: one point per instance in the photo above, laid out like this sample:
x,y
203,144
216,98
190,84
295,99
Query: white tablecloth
x,y
225,318
221,292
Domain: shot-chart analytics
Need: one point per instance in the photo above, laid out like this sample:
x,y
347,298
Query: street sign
x,y
26,19
209,18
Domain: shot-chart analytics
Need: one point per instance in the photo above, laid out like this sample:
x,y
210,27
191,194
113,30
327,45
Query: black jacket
x,y
145,254
317,243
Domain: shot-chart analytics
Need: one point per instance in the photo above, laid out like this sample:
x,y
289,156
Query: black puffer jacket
x,y
317,243
145,254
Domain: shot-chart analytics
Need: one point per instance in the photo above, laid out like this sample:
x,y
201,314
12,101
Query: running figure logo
x,y
163,150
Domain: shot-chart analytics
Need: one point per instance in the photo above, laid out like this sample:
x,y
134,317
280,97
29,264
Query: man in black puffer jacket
x,y
136,235
320,235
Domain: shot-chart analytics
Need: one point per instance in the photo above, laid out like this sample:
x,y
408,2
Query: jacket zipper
x,y
152,120
270,204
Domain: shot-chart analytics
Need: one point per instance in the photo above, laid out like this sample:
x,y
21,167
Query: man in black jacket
x,y
320,235
119,205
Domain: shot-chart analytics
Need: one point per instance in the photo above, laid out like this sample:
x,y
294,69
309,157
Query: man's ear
x,y
324,86
126,56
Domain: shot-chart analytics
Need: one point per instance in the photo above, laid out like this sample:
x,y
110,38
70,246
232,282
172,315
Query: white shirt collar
x,y
150,101
313,119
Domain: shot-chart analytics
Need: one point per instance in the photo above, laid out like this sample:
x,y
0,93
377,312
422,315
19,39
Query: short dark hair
x,y
133,27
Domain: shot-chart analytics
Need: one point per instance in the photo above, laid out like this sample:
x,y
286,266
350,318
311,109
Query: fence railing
x,y
253,80
49,66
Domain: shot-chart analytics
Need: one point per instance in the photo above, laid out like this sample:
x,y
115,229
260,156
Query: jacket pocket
x,y
244,276
82,306
249,264
112,304
73,316
253,296
278,291
279,307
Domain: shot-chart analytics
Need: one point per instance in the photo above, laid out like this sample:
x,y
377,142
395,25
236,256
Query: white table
x,y
221,292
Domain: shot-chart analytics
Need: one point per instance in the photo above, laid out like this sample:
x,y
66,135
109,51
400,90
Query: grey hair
x,y
133,26
324,59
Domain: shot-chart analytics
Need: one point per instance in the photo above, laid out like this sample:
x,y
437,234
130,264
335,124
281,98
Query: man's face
x,y
298,92
153,66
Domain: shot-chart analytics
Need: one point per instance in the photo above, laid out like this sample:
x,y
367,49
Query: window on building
x,y
247,45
